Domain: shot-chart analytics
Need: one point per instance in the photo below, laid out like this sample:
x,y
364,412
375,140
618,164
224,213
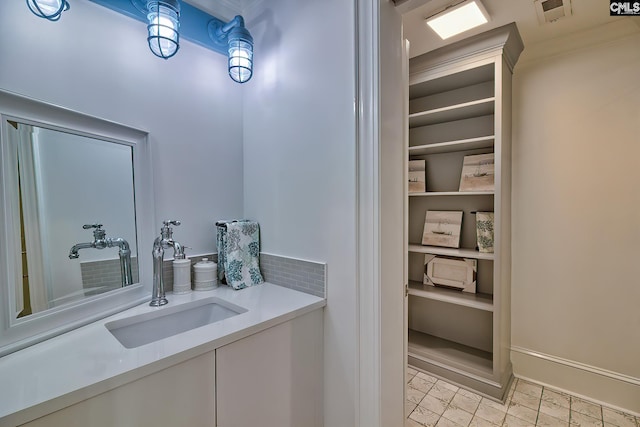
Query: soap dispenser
x,y
181,273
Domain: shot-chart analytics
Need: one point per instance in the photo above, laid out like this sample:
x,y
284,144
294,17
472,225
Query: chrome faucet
x,y
162,242
101,241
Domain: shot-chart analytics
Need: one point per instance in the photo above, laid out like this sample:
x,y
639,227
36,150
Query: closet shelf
x,y
478,301
452,146
437,250
452,193
480,107
450,354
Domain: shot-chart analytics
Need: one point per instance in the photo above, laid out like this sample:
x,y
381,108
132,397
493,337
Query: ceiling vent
x,y
552,10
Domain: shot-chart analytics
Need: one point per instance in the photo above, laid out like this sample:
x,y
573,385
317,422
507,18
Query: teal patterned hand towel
x,y
239,253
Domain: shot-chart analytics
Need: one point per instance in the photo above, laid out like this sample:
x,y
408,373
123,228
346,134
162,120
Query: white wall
x,y
97,61
299,160
576,228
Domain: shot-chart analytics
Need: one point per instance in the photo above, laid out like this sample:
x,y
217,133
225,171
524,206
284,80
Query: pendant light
x,y
239,46
48,9
163,17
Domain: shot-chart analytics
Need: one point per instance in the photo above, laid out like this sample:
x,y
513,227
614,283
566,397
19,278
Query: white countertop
x,y
88,361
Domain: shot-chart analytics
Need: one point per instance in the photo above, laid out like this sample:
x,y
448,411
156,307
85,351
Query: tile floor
x,y
433,402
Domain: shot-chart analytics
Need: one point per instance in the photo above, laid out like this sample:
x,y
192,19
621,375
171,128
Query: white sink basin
x,y
167,321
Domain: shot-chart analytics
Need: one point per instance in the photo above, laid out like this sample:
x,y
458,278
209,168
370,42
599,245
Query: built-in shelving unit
x,y
459,105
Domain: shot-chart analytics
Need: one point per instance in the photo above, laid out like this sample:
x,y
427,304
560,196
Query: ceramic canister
x,y
206,273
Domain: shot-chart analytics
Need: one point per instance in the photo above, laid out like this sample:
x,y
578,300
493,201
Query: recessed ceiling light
x,y
458,19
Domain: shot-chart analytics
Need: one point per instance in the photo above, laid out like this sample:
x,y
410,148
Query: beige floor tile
x,y
450,386
617,418
427,377
525,400
586,408
560,399
424,417
554,410
504,407
545,420
529,388
465,403
457,415
480,422
490,413
440,391
420,384
408,408
522,412
412,423
580,420
414,395
470,394
445,422
434,404
511,421
512,388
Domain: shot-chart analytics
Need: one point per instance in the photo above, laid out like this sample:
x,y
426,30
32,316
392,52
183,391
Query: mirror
x,y
73,195
76,214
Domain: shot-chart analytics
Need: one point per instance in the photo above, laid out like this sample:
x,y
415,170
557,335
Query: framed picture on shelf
x,y
442,228
450,272
417,176
478,173
484,231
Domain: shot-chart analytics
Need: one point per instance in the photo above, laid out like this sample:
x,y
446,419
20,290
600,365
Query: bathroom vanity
x,y
260,366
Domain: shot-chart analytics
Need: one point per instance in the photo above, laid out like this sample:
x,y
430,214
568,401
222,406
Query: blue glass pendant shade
x,y
48,9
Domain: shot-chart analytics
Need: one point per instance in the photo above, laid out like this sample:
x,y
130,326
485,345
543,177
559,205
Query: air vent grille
x,y
552,10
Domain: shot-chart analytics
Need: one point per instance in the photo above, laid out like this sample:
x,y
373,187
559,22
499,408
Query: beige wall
x,y
576,221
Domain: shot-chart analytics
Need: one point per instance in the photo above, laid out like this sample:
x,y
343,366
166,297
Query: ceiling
x,y
586,14
223,9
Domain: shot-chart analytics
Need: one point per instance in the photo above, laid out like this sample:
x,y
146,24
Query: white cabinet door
x,y
182,395
273,378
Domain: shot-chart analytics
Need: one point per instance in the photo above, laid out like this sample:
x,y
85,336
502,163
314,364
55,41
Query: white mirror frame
x,y
19,333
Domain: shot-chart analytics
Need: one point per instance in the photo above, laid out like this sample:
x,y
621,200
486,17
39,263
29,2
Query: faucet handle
x,y
169,222
88,226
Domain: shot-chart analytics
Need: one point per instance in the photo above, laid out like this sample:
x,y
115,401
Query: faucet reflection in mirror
x,y
162,242
53,179
101,241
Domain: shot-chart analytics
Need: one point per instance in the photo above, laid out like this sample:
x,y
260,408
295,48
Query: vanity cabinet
x,y
460,105
182,395
274,378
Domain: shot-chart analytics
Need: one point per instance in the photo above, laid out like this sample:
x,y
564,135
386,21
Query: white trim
x,y
577,365
368,217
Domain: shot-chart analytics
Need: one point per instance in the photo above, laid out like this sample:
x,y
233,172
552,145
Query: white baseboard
x,y
608,388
